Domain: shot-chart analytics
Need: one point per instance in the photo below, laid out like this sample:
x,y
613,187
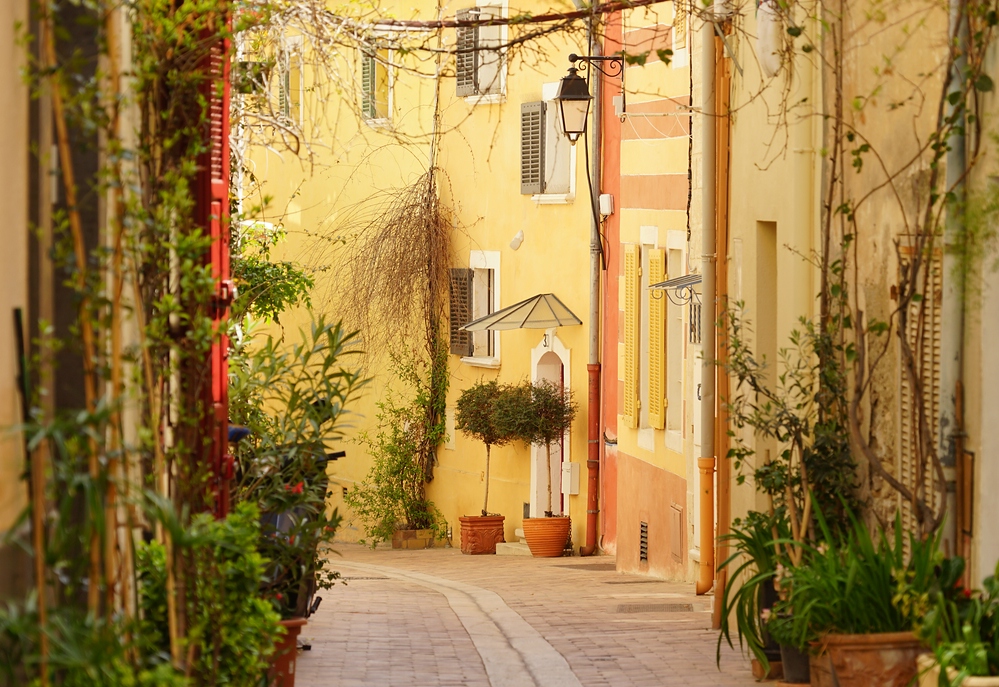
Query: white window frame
x,y
553,132
673,432
499,96
486,260
378,122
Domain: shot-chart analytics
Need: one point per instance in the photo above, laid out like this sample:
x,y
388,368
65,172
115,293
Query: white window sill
x,y
382,123
553,198
487,99
492,363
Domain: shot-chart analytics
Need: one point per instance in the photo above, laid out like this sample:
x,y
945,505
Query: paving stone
x,y
423,624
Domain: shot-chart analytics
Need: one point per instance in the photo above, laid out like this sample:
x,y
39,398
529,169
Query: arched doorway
x,y
549,361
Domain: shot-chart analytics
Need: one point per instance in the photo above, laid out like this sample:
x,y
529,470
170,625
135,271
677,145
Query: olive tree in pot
x,y
540,413
475,416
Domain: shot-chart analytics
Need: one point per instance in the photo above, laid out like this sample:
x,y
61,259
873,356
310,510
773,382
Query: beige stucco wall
x,y
14,280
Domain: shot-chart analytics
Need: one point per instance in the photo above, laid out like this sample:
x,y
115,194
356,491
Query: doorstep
x,y
513,549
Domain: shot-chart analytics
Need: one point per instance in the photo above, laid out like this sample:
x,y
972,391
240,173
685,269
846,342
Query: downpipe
x,y
706,462
593,360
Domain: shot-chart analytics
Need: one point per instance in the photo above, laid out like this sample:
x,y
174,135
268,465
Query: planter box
x,y
480,534
546,536
413,539
282,672
929,675
871,660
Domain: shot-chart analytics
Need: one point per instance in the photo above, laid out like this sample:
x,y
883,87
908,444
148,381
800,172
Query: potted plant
x,y
749,595
961,627
392,501
852,602
475,416
291,400
540,413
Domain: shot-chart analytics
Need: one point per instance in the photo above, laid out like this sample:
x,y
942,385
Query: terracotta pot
x,y
413,539
873,660
282,672
546,537
929,675
820,671
481,533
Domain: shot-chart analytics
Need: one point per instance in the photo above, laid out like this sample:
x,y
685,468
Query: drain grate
x,y
655,608
363,578
594,567
632,581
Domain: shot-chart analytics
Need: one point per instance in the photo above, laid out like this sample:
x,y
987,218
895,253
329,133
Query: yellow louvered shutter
x,y
632,309
657,341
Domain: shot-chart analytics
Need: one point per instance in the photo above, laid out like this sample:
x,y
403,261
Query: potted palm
x,y
540,413
475,416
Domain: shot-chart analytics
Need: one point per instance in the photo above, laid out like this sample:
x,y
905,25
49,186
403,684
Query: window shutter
x,y
466,56
925,343
532,148
679,24
657,340
632,305
368,83
461,311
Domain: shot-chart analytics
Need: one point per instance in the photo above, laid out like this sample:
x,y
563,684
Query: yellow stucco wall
x,y
479,153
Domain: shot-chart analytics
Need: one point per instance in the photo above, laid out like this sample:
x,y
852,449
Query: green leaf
x,y
794,31
665,55
983,83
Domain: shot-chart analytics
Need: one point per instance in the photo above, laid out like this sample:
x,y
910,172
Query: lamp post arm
x,y
614,63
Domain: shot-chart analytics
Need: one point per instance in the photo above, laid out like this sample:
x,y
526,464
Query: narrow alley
x,y
435,617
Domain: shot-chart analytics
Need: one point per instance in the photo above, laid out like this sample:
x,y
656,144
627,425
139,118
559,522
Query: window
x,y
376,91
479,63
475,294
290,79
547,159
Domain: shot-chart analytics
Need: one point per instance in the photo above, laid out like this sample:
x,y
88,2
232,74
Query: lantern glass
x,y
574,114
573,104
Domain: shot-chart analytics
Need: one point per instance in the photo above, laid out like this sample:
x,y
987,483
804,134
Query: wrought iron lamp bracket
x,y
613,65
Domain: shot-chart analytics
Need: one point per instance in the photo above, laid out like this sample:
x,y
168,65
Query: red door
x,y
213,214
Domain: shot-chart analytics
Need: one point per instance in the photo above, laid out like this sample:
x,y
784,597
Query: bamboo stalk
x,y
80,253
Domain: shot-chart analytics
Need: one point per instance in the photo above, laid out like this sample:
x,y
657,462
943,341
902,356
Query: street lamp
x,y
574,92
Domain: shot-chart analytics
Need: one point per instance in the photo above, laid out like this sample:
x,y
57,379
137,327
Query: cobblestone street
x,y
435,617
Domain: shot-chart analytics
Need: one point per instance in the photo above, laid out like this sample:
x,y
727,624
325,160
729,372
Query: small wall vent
x,y
643,543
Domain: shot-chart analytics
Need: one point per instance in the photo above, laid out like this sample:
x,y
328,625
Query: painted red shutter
x,y
213,214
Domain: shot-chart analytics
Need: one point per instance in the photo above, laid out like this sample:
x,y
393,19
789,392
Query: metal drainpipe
x,y
952,298
706,462
593,361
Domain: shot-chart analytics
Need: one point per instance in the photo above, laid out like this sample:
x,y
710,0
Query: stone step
x,y
519,533
513,549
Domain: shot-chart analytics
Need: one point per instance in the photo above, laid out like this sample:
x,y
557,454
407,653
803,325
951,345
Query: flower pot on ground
x,y
795,664
546,537
408,538
282,672
846,600
883,659
481,533
475,415
539,413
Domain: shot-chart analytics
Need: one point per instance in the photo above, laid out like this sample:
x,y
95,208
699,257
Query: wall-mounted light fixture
x,y
574,91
